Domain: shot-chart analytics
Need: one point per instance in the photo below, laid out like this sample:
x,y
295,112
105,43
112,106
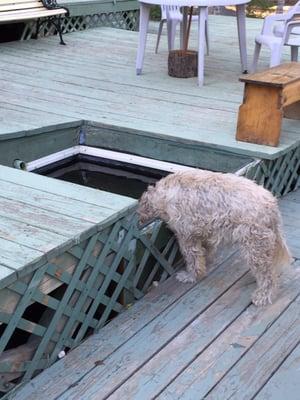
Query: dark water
x,y
111,176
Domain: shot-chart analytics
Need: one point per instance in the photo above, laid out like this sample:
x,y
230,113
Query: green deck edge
x,y
277,169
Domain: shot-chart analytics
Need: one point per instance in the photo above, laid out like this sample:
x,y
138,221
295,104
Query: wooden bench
x,y
268,97
21,10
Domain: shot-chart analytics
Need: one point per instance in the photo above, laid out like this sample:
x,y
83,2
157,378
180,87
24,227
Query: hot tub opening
x,y
113,172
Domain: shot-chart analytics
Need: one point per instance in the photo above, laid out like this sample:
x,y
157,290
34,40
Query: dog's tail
x,y
282,256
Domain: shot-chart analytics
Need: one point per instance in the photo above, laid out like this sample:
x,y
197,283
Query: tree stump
x,y
183,63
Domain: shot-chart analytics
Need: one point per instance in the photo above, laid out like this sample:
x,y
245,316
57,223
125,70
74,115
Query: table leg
x,y
144,22
241,24
171,28
201,44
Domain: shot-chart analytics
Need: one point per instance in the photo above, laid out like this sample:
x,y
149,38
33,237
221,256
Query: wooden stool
x,y
268,97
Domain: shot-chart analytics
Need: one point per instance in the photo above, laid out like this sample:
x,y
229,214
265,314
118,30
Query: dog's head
x,y
146,209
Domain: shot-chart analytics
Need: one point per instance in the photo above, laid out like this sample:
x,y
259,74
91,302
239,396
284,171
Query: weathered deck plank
x,y
97,82
80,193
129,325
29,235
54,202
15,255
41,217
290,209
224,310
211,361
204,341
246,378
285,383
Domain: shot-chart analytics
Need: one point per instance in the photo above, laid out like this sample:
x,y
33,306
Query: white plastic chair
x,y
172,16
279,30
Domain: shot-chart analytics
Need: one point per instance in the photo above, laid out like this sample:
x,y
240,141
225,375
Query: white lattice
x,y
122,19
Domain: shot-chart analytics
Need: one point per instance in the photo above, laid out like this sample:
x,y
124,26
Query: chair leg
x,y
207,37
201,44
171,26
160,28
144,22
294,53
275,56
256,56
241,24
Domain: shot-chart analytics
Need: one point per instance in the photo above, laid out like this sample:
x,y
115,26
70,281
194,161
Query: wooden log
x,y
183,64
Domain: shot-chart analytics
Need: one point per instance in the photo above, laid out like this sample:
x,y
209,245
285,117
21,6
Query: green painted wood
x,y
7,275
30,148
67,189
102,87
246,378
284,384
47,220
208,368
164,366
293,197
59,312
173,151
22,305
158,333
55,202
290,209
194,343
102,345
29,235
15,255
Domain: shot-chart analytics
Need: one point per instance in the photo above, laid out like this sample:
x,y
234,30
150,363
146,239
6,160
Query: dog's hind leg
x,y
258,247
194,255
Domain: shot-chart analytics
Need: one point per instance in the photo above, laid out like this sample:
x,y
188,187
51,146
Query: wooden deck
x,y
41,218
46,88
72,257
182,341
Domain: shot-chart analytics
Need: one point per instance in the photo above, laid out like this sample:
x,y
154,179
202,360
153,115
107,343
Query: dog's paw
x,y
261,298
185,277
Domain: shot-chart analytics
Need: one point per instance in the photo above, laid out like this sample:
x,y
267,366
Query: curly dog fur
x,y
206,208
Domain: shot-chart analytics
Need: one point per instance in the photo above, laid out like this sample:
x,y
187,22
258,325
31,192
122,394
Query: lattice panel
x,y
77,293
122,19
280,176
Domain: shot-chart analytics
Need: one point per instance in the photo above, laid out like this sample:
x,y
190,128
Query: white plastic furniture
x,y
172,16
202,5
279,30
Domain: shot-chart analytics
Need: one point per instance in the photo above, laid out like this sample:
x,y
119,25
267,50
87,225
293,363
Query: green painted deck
x,y
41,218
48,88
72,258
182,341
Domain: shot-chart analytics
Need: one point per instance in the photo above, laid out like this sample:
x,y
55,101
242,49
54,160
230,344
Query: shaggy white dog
x,y
206,208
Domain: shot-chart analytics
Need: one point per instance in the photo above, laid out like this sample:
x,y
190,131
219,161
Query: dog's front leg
x,y
194,255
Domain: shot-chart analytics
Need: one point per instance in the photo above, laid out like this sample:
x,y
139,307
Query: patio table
x,y
202,5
